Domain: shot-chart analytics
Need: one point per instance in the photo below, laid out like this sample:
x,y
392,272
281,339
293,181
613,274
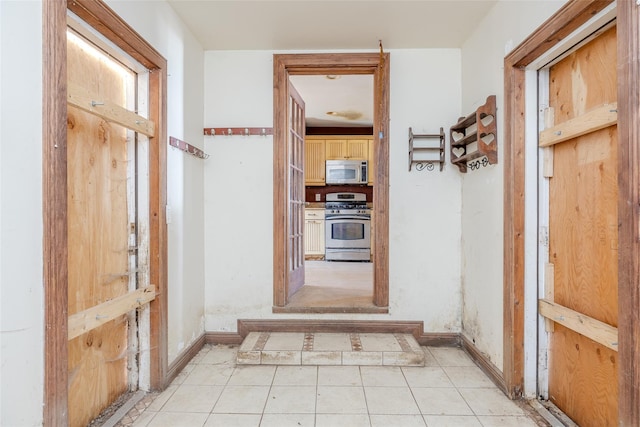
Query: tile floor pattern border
x,y
450,390
298,348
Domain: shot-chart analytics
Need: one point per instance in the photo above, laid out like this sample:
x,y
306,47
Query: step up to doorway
x,y
314,348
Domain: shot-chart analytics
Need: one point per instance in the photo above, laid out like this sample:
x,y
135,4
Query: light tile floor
x,y
450,390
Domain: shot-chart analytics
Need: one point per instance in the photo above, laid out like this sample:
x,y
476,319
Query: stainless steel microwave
x,y
346,172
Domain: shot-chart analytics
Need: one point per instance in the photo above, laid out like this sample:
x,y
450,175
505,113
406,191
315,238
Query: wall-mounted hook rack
x,y
426,153
238,131
187,148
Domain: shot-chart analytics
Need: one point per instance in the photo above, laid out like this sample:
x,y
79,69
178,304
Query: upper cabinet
x,y
320,148
314,160
351,148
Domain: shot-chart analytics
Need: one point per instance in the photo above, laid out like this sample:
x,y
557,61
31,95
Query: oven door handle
x,y
346,218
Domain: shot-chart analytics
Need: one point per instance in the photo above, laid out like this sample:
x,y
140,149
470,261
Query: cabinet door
x,y
314,157
336,149
314,237
357,149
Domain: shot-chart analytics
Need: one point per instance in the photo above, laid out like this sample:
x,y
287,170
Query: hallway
x,y
450,390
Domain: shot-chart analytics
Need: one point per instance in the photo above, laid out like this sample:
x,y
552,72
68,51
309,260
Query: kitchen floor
x,y
450,390
335,284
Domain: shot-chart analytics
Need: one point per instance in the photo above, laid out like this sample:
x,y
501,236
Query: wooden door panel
x,y
97,234
583,235
296,134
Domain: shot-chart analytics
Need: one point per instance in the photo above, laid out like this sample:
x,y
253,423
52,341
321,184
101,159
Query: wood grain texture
x,y
79,97
380,221
54,211
55,273
629,218
108,23
568,18
589,327
513,267
98,232
583,234
590,121
96,316
158,264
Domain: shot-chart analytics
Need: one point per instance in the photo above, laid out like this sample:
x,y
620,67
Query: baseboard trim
x,y
226,338
307,325
184,358
439,339
484,363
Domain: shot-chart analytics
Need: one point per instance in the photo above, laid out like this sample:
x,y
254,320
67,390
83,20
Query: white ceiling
x,y
332,25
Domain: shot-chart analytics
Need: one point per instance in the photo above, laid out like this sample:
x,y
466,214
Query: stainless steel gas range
x,y
347,227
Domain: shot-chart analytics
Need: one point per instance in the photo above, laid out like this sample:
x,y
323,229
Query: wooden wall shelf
x,y
475,136
426,149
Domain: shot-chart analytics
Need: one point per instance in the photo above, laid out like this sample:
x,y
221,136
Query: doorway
x,y
60,247
580,192
533,53
339,129
377,65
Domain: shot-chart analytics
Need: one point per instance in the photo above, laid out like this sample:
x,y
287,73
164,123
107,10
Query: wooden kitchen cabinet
x,y
314,233
314,161
347,147
320,148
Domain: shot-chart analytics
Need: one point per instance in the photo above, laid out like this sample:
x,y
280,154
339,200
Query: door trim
x,y
571,16
347,63
54,205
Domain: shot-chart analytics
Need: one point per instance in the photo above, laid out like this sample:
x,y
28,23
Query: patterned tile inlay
x,y
404,345
262,340
308,342
309,348
356,345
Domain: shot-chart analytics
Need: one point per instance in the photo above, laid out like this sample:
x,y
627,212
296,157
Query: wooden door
x,y
583,234
295,217
98,231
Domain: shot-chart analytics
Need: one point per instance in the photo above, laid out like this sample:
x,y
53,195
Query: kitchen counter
x,y
314,205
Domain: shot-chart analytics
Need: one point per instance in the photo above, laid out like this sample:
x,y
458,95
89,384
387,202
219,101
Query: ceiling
x,y
331,25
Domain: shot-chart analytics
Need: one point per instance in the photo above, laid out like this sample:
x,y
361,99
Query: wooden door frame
x,y
568,18
315,64
54,183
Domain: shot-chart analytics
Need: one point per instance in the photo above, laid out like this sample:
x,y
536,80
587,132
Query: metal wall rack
x,y
425,150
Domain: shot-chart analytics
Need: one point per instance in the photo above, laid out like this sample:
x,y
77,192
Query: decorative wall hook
x,y
243,131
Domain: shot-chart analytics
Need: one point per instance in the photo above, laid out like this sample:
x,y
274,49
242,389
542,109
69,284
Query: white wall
x,y
504,27
160,26
21,285
21,293
424,241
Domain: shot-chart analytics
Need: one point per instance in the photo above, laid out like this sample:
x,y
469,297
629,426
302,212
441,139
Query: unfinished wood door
x,y
98,230
583,235
295,143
